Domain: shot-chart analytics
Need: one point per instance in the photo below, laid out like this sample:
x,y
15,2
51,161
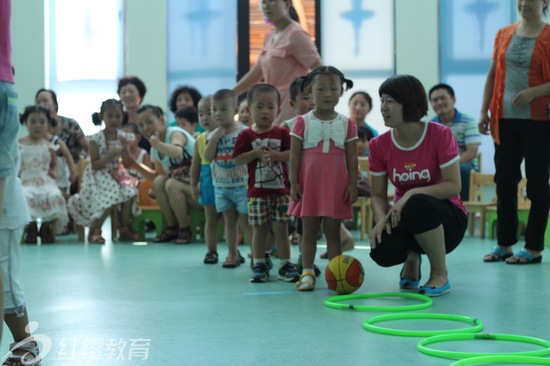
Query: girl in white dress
x,y
37,174
106,181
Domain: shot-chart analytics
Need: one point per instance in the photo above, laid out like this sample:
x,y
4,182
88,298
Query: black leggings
x,y
519,140
421,213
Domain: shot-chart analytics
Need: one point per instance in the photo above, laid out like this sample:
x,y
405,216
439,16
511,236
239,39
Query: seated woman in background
x,y
171,152
185,97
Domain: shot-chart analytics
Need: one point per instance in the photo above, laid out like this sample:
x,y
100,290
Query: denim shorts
x,y
9,129
206,188
227,197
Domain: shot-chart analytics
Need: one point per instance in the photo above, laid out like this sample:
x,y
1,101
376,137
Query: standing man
x,y
464,128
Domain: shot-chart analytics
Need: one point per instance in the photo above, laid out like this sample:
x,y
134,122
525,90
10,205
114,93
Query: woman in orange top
x,y
288,53
517,92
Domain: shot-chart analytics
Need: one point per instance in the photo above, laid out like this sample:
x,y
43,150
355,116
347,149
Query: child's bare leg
x,y
280,232
259,236
310,229
331,228
98,224
17,325
230,218
159,187
211,228
245,228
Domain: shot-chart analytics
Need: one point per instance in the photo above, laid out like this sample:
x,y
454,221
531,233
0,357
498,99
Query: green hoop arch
x,y
333,302
527,360
421,345
476,325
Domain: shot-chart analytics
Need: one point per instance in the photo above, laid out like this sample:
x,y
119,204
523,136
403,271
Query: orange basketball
x,y
344,274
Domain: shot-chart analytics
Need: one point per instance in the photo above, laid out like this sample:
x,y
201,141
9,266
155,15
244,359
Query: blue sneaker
x,y
260,273
288,273
435,291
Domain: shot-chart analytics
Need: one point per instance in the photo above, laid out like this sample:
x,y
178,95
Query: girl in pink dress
x,y
323,168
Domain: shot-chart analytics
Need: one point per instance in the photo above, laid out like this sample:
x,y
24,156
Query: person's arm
x,y
484,120
296,147
527,95
379,207
83,141
174,148
69,159
52,172
469,154
249,156
282,156
195,172
352,166
248,80
211,148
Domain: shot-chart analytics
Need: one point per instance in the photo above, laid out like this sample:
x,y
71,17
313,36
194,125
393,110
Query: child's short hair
x,y
133,127
346,84
364,133
408,91
37,109
193,92
295,87
189,113
224,94
261,89
157,111
96,116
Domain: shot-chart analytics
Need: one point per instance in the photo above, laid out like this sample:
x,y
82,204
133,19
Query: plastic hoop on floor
x,y
526,360
421,345
333,302
477,325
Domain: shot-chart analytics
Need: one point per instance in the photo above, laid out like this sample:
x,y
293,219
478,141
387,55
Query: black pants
x,y
530,140
421,213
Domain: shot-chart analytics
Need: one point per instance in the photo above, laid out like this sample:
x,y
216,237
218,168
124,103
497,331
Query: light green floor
x,y
85,296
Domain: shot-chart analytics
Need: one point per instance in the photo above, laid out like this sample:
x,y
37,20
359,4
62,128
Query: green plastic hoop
x,y
526,360
421,345
477,325
334,302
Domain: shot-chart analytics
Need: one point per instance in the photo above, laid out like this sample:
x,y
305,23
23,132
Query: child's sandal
x,y
170,233
29,354
95,236
31,233
47,234
127,235
305,285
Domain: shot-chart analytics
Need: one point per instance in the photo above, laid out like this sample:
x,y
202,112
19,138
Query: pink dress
x,y
323,173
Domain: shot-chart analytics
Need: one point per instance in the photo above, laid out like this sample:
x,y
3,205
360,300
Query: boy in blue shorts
x,y
229,179
265,148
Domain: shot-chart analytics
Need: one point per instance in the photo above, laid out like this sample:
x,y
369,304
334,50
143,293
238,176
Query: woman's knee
x,y
159,184
385,258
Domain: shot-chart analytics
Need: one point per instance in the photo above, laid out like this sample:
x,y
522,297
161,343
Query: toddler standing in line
x,y
323,146
266,149
244,114
37,173
201,182
228,178
106,182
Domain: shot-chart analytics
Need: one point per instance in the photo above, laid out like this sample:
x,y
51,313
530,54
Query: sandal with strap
x,y
95,236
211,257
231,261
29,354
31,233
47,234
127,235
524,257
169,234
496,255
305,285
184,235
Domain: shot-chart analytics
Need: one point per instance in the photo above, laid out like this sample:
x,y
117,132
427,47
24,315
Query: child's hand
x,y
218,134
195,192
154,140
351,194
114,152
295,192
263,154
73,176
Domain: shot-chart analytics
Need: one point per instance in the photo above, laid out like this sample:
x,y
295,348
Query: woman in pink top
x,y
288,53
421,160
